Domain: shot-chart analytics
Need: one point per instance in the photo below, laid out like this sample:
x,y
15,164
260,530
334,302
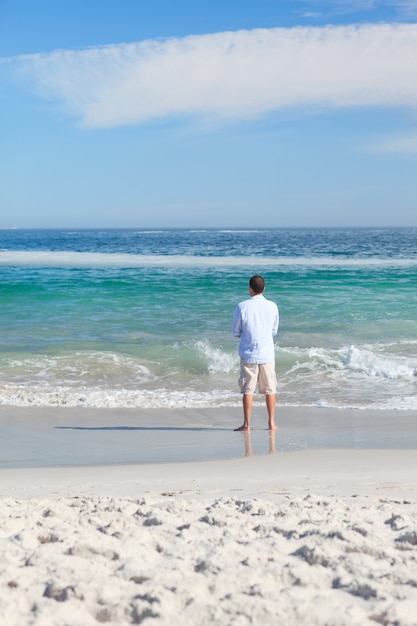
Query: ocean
x,y
142,318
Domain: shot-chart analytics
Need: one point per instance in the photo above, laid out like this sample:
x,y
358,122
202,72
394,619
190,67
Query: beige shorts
x,y
261,373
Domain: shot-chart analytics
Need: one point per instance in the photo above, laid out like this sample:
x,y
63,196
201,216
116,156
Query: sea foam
x,y
373,364
49,259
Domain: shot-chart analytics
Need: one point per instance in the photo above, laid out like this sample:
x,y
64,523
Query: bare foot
x,y
242,428
273,427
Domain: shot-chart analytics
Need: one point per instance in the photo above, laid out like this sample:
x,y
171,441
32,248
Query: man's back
x,y
256,322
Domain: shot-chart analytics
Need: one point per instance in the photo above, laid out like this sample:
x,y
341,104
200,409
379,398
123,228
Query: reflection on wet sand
x,y
248,443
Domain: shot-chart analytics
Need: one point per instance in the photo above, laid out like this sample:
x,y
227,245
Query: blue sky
x,y
151,113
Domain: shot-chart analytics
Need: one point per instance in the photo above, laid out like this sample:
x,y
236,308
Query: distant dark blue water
x,y
337,243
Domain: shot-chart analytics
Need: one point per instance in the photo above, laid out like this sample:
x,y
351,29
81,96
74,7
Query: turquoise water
x,y
134,318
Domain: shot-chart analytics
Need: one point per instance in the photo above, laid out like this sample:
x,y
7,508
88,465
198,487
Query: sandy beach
x,y
264,533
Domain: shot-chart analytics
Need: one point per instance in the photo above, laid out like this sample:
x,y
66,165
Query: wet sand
x,y
69,436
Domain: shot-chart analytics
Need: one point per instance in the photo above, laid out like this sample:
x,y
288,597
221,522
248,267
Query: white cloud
x,y
238,75
406,144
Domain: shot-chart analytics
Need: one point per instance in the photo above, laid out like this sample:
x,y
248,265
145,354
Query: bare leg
x,y
247,409
270,400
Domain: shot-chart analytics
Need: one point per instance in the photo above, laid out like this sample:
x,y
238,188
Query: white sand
x,y
324,536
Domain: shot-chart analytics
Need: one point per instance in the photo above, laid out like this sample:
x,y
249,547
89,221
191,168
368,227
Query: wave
x,y
95,398
92,368
148,232
365,377
371,361
64,396
374,376
56,259
216,359
384,366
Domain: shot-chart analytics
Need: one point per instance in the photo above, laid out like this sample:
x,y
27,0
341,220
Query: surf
x,y
70,259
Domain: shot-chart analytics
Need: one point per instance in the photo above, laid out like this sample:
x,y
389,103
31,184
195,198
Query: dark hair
x,y
257,283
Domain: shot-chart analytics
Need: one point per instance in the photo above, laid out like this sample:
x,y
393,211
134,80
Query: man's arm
x,y
276,323
237,323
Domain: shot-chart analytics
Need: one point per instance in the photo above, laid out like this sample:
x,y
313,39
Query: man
x,y
255,322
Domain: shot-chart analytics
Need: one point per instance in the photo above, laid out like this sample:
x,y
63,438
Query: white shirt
x,y
256,321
